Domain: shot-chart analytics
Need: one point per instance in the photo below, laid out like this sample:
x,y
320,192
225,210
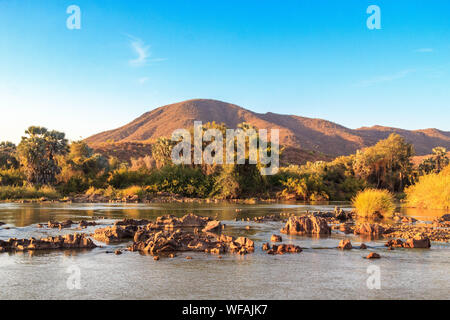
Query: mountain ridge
x,y
312,134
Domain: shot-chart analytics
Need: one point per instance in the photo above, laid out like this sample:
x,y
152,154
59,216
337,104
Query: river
x,y
319,272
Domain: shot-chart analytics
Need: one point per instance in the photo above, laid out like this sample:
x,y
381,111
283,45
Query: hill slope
x,y
298,132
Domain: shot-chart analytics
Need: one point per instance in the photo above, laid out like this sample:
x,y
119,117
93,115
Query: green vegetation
x,y
432,191
44,164
373,202
436,162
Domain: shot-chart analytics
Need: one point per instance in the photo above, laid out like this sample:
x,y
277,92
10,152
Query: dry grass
x,y
432,191
371,202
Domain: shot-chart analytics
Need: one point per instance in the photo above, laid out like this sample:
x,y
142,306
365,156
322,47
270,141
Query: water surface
x,y
319,272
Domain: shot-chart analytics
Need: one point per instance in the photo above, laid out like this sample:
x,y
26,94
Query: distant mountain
x,y
307,136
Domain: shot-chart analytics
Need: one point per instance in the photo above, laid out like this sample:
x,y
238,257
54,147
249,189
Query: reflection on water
x,y
319,272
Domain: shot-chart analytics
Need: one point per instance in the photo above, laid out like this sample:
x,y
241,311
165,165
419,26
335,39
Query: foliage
x,y
37,153
436,162
27,192
386,164
8,158
371,202
432,191
11,177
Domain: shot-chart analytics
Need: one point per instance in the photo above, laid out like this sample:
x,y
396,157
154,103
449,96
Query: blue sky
x,y
309,58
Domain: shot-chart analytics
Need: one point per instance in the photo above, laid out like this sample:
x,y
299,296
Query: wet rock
x,y
370,229
394,243
115,233
156,258
276,238
418,242
445,217
69,241
306,225
408,220
245,242
266,246
373,255
212,226
363,246
117,252
2,223
345,244
131,222
284,248
84,224
60,225
345,228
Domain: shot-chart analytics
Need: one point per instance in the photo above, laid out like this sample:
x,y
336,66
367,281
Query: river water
x,y
319,272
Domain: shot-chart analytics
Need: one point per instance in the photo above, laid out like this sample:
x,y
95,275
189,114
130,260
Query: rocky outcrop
x,y
345,244
369,229
284,248
418,242
69,241
306,225
84,224
212,226
166,241
60,225
276,238
115,233
373,255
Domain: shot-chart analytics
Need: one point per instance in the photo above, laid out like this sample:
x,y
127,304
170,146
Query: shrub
x,y
12,193
370,202
432,191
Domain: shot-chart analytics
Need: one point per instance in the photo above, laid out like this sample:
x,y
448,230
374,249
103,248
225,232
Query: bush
x,y
12,177
13,193
432,191
370,202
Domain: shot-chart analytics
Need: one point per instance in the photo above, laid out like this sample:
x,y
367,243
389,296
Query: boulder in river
x,y
373,255
418,242
276,238
68,241
345,244
306,225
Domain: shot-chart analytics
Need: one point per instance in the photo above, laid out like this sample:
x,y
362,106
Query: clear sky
x,y
310,58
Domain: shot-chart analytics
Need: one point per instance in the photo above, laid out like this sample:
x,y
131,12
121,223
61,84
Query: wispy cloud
x,y
424,50
143,80
386,78
142,51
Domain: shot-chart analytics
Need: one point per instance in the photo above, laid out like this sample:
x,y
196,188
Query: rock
x,y
394,243
247,227
188,257
284,248
212,226
418,242
131,222
83,223
306,225
373,255
445,217
345,244
266,246
276,238
2,223
68,241
117,252
345,228
363,246
408,220
370,229
156,258
115,234
60,225
245,242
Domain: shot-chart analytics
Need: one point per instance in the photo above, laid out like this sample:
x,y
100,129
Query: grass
x,y
432,191
27,192
371,202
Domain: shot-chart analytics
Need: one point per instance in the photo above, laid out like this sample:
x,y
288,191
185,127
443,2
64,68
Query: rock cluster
x,y
283,248
370,229
60,225
345,244
419,241
69,241
306,225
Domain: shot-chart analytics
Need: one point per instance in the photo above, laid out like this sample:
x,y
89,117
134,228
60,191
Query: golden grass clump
x,y
372,202
432,191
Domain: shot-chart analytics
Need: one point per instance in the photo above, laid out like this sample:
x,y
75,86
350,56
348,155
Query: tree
x,y
162,152
386,164
8,159
37,154
436,162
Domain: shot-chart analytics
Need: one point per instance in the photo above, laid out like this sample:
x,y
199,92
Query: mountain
x,y
315,137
